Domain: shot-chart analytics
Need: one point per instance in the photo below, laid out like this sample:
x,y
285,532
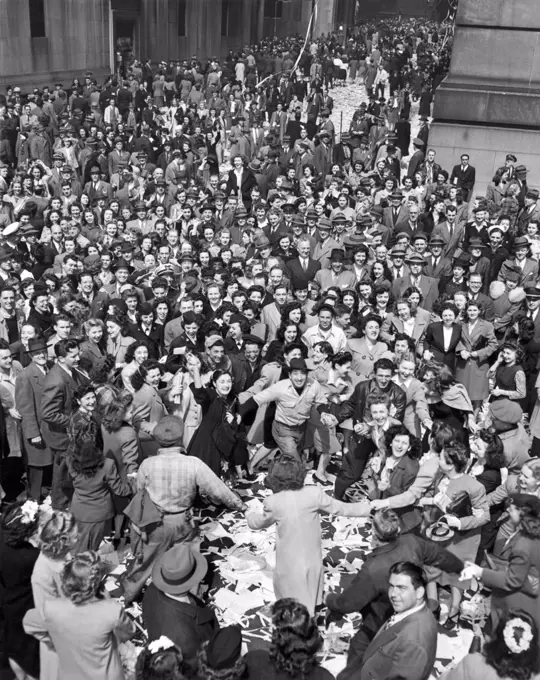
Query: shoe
x,y
324,482
451,622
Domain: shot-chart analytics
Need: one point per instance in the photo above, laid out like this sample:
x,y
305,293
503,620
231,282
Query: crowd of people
x,y
202,281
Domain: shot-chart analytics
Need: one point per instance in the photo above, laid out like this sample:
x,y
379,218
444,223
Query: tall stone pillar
x,y
489,104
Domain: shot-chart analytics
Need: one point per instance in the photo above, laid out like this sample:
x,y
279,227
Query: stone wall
x,y
489,104
76,39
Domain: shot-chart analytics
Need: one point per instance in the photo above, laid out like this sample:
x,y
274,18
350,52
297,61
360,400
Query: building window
x,y
182,11
225,16
37,18
273,9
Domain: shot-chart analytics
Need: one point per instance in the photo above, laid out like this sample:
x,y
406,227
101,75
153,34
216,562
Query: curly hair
x,y
58,535
291,306
285,474
457,454
280,333
507,663
113,414
167,664
138,378
494,455
99,373
16,532
204,670
119,317
514,347
82,577
130,351
86,458
295,638
441,435
415,445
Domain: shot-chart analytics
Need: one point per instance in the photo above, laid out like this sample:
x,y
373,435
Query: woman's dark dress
x,y
16,567
215,440
450,416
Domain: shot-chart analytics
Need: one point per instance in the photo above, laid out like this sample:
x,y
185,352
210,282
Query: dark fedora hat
x,y
122,264
37,345
298,365
179,569
337,255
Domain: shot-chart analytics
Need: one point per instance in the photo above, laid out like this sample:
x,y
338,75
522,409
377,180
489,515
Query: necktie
x,y
390,622
304,265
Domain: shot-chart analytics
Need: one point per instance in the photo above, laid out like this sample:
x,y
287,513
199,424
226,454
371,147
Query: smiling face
x,y
406,369
325,319
153,377
404,311
401,444
223,385
527,481
88,402
448,317
379,413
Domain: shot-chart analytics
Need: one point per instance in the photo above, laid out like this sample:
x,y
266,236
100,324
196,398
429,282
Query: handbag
x,y
460,506
434,526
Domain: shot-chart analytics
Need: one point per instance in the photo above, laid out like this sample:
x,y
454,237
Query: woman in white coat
x,y
295,509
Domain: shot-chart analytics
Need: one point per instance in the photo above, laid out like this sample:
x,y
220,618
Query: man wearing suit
x,y
28,392
54,180
396,212
426,285
325,245
531,308
450,231
464,177
336,275
276,227
413,224
436,265
322,156
530,211
55,246
143,224
118,158
527,265
368,592
271,314
302,269
397,263
417,158
256,137
56,405
475,283
405,646
96,187
88,292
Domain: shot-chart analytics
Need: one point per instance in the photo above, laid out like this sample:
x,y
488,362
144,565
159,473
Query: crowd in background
x,y
201,278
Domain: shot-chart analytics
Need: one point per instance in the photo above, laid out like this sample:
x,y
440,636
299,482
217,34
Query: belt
x,y
179,512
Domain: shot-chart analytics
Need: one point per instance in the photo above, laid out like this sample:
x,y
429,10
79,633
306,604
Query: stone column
x,y
489,104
